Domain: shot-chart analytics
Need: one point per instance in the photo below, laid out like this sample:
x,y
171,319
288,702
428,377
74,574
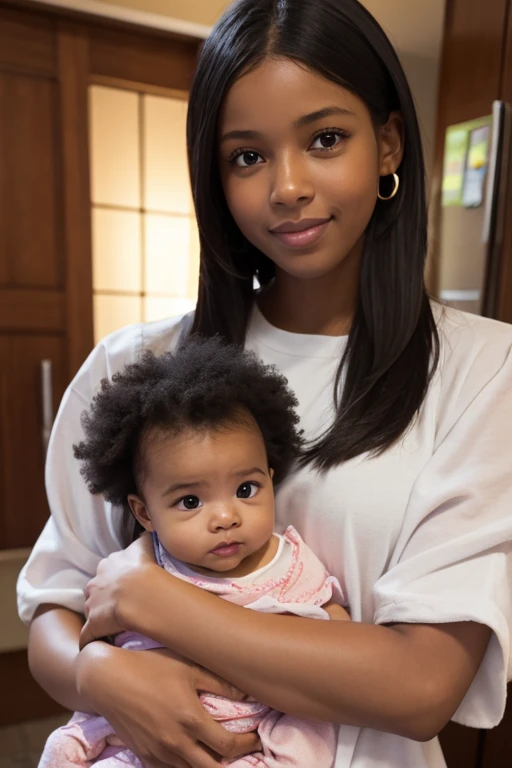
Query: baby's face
x,y
209,497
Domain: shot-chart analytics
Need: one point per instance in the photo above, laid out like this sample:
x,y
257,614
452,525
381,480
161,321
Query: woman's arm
x,y
53,652
404,679
163,725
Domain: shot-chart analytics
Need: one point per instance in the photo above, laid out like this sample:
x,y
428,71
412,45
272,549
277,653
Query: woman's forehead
x,y
283,90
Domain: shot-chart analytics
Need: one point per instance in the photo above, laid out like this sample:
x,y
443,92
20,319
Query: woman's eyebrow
x,y
299,123
319,114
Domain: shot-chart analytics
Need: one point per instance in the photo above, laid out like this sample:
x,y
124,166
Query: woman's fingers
x,y
207,682
223,742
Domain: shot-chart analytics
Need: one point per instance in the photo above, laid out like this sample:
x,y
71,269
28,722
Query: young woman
x,y
307,173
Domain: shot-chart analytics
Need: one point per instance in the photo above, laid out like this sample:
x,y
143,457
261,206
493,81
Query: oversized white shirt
x,y
420,534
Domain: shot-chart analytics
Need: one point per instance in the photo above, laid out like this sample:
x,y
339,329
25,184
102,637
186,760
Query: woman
x,y
307,173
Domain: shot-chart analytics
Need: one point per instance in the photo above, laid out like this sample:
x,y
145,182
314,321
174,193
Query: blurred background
x,y
97,229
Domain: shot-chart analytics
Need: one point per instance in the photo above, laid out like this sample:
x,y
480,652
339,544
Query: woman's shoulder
x,y
125,346
475,359
466,339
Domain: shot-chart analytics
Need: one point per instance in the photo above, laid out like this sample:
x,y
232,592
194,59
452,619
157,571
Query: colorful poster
x,y
476,167
465,162
456,149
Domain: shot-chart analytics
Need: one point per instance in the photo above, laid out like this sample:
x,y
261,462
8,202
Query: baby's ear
x,y
140,512
271,473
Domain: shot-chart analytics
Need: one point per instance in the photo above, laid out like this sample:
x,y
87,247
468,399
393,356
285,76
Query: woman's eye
x,y
189,502
246,159
327,140
247,490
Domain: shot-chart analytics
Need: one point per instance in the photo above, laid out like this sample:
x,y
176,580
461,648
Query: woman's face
x,y
300,162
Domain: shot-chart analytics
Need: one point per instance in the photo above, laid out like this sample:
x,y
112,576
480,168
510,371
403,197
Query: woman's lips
x,y
226,550
303,237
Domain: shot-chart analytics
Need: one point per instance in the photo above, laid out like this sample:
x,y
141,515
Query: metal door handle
x,y
47,401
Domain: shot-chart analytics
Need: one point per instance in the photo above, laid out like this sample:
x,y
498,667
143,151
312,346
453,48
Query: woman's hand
x,y
112,582
151,700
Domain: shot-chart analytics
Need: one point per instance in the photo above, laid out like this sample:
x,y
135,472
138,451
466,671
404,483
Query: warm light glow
x,y
114,132
166,181
167,241
160,307
145,244
113,312
116,250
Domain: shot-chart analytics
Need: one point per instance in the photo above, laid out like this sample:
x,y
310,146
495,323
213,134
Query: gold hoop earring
x,y
392,195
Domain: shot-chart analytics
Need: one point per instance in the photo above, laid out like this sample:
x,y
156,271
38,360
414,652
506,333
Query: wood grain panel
x,y
460,746
471,74
25,699
24,506
497,750
28,43
73,80
470,80
30,310
163,62
29,199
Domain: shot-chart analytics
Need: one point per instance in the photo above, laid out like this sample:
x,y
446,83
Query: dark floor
x,y
21,745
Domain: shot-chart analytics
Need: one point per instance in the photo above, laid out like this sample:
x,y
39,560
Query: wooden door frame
x,y
87,51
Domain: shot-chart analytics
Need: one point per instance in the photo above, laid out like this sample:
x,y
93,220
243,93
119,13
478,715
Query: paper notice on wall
x,y
456,149
466,156
476,167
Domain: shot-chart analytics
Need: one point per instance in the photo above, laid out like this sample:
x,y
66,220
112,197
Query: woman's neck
x,y
322,306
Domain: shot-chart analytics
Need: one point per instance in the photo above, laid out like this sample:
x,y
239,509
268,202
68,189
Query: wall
x,y
197,11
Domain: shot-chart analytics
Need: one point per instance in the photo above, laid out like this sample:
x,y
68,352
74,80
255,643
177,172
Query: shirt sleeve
x,y
82,528
453,559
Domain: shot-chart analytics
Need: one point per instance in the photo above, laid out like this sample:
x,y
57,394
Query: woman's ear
x,y
391,144
271,473
140,512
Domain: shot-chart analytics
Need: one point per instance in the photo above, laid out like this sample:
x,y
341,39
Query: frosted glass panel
x,y
160,307
166,181
167,255
113,312
114,143
116,250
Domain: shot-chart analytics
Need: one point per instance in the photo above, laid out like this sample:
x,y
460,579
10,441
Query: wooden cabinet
x,y
48,60
47,63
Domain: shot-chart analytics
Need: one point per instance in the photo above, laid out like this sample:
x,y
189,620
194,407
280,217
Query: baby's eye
x,y
246,159
327,140
189,502
247,490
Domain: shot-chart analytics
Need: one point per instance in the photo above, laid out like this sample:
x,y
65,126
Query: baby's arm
x,y
336,612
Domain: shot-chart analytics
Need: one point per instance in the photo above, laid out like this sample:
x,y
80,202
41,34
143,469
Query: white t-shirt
x,y
421,533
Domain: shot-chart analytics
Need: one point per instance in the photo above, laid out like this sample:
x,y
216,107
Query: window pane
x,y
114,142
167,240
161,307
113,312
166,181
116,247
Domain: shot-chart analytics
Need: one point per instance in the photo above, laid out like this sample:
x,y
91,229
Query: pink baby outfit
x,y
295,582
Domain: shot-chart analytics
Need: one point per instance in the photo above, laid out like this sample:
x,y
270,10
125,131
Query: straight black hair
x,y
393,345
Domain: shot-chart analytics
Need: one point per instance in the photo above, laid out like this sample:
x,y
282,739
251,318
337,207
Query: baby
x,y
191,445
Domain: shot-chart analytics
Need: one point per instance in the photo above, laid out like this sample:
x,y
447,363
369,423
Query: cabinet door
x,y
24,506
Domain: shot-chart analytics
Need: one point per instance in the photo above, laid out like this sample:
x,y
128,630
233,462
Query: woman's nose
x,y
291,185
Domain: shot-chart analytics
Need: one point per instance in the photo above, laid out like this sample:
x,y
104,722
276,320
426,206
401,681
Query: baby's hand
x,y
336,612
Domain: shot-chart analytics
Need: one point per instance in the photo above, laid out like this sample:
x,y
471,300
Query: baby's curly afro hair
x,y
206,384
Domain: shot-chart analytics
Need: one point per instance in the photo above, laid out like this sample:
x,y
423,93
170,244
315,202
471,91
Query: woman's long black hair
x,y
393,346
